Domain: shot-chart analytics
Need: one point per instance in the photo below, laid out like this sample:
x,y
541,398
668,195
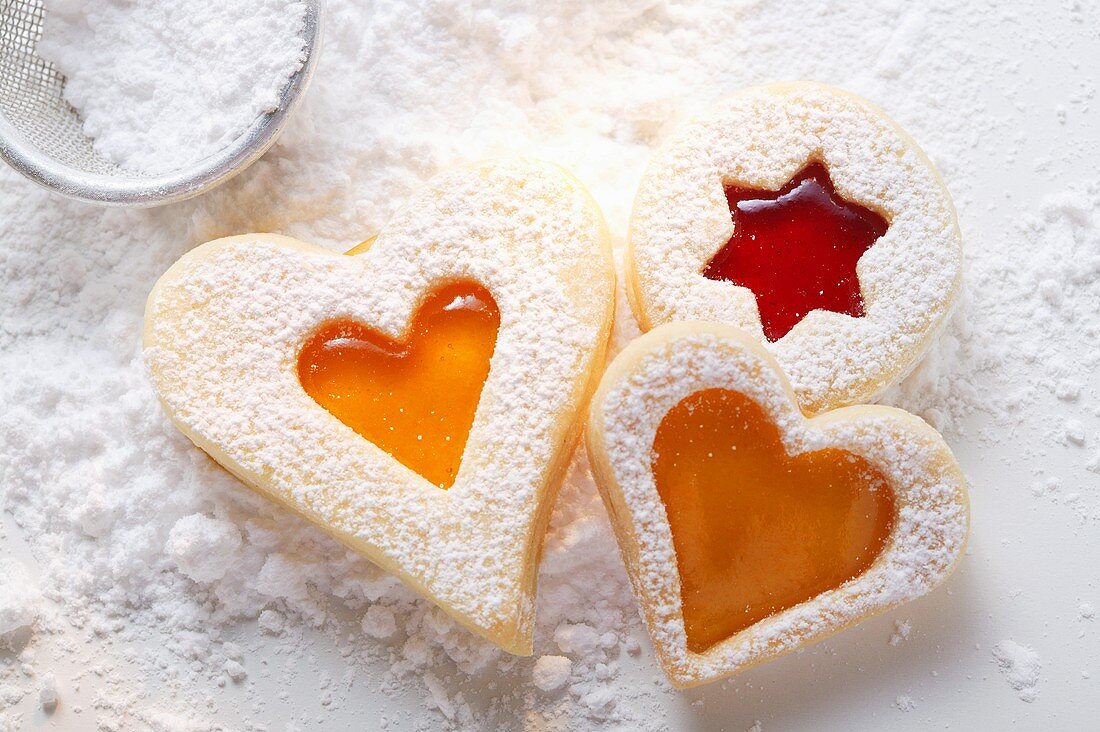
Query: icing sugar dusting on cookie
x,y
161,85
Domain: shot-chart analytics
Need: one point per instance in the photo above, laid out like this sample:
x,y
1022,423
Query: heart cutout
x,y
414,398
797,525
226,325
883,519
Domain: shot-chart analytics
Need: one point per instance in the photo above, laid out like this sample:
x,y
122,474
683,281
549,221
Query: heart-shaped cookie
x,y
504,263
803,215
748,529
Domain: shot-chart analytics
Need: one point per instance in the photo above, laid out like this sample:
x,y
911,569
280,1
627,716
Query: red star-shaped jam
x,y
797,249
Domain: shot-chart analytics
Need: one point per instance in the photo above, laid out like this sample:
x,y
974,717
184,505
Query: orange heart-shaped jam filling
x,y
414,398
797,249
755,530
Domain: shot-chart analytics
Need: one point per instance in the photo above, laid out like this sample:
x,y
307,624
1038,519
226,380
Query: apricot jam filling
x,y
797,249
755,530
414,398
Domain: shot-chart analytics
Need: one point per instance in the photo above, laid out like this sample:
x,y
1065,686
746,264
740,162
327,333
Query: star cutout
x,y
797,249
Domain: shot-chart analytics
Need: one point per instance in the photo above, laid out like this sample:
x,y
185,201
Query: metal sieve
x,y
41,134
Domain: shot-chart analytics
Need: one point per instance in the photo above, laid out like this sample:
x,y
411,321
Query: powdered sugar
x,y
1021,668
161,85
1001,103
202,547
47,694
20,604
379,622
551,672
902,629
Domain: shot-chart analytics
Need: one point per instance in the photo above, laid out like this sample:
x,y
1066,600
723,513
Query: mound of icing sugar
x,y
20,603
203,547
1020,666
161,85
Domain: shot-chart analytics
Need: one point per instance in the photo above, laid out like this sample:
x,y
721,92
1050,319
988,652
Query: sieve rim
x,y
213,170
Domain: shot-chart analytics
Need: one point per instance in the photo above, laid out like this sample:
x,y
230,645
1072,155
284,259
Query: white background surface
x,y
1033,559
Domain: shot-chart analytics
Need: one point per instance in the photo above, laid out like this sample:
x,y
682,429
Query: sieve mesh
x,y
31,93
41,135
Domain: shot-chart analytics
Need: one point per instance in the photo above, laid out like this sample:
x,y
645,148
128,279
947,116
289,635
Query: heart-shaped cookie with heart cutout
x,y
418,400
747,528
805,216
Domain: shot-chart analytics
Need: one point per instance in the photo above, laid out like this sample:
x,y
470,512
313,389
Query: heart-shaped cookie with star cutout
x,y
418,400
803,215
747,528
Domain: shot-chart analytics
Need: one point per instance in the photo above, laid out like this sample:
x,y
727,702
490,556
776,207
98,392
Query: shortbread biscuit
x,y
765,140
230,327
858,509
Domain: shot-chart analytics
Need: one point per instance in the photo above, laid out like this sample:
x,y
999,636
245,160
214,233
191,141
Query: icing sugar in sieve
x,y
43,136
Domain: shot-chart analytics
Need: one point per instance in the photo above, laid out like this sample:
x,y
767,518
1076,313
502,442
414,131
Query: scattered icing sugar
x,y
760,138
48,697
161,85
550,673
1021,668
20,604
672,362
203,547
95,478
379,622
902,629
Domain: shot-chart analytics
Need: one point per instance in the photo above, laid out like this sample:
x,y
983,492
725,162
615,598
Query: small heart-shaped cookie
x,y
803,215
418,400
748,529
